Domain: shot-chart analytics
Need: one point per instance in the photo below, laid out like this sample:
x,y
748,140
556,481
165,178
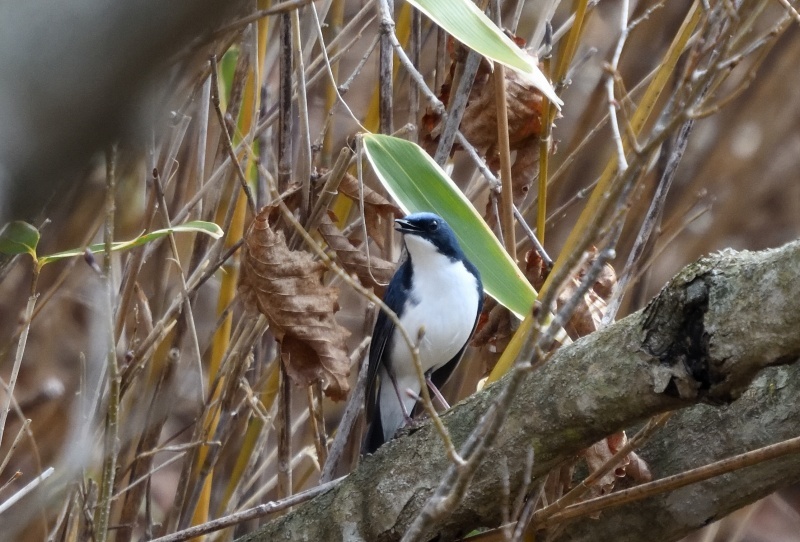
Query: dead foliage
x,y
286,286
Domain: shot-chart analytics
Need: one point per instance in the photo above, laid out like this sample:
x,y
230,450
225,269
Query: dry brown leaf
x,y
376,207
479,123
631,465
638,470
494,327
589,313
286,286
371,271
598,454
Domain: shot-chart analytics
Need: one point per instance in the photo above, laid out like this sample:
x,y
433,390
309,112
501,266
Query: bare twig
x,y
385,75
226,138
506,194
111,433
676,481
12,381
349,417
252,513
458,103
651,219
22,431
30,486
622,163
303,170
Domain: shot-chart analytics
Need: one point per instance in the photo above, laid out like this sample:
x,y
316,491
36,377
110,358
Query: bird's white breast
x,y
443,301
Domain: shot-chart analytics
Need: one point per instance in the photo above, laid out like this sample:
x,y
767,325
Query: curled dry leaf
x,y
631,465
598,454
286,286
526,118
376,207
371,270
589,313
496,325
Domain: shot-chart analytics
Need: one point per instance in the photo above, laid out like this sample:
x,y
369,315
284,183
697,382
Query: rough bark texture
x,y
768,412
702,339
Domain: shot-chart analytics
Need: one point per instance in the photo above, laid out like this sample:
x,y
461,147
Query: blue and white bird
x,y
436,290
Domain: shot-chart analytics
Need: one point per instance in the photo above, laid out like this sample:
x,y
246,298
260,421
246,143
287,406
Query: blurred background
x,y
84,85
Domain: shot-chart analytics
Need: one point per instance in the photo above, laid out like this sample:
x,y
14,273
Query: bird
x,y
437,294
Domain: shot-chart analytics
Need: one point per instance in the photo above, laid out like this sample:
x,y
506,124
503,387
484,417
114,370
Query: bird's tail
x,y
375,438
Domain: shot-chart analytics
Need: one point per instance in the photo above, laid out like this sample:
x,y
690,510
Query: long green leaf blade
x,y
196,226
469,25
417,183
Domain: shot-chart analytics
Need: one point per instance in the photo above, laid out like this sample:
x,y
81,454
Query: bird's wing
x,y
382,334
439,376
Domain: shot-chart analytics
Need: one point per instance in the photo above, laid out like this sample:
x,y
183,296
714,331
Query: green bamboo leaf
x,y
19,237
417,183
196,226
465,22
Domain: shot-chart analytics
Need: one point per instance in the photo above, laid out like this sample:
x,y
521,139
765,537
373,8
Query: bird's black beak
x,y
404,226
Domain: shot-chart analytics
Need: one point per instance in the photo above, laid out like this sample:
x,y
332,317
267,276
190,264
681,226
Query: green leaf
x,y
227,67
469,25
417,183
19,238
197,226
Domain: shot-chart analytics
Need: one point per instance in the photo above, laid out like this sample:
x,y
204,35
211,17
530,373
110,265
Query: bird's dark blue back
x,y
384,329
430,288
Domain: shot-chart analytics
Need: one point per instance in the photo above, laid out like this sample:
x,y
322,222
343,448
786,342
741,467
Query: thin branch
x,y
458,104
30,486
303,170
349,417
111,433
622,163
385,71
249,514
652,218
226,137
12,381
671,483
507,192
22,432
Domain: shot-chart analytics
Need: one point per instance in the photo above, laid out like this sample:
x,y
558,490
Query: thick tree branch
x,y
767,413
702,339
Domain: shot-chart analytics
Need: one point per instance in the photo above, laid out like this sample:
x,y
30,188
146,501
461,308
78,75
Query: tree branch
x,y
765,414
701,340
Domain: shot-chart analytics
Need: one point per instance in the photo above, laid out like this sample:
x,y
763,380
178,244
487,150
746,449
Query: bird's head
x,y
427,234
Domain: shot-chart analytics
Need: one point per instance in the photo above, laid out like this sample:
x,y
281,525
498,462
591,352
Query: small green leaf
x,y
469,25
417,183
19,238
197,226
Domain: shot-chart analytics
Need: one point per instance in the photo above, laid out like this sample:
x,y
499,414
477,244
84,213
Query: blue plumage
x,y
435,288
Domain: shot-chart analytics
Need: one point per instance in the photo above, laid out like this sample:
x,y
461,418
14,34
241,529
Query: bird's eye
x,y
434,225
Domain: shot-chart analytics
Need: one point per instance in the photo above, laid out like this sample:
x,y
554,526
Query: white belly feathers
x,y
444,302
